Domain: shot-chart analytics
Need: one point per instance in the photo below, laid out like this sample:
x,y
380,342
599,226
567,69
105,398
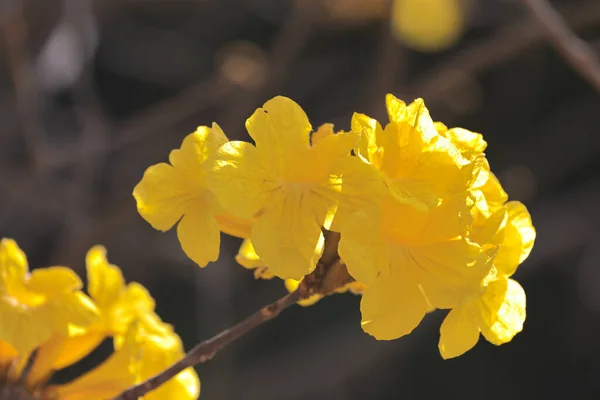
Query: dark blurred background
x,y
93,92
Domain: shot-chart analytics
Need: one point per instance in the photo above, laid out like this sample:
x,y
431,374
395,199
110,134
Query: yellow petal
x,y
354,185
369,130
160,347
248,258
502,311
161,196
519,237
393,305
362,247
470,144
134,303
71,309
450,271
196,148
105,280
54,280
427,25
279,128
7,353
184,386
103,382
494,194
77,347
13,263
287,236
237,178
167,192
321,133
459,333
199,235
235,226
24,329
45,358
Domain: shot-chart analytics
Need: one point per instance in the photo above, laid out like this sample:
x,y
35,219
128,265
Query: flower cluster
x,y
422,222
47,323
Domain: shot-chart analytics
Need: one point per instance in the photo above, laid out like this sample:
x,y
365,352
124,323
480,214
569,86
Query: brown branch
x,y
574,50
439,83
206,350
15,32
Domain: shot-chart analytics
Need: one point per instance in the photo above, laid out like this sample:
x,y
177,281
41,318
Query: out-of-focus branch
x,y
206,350
574,50
502,46
15,30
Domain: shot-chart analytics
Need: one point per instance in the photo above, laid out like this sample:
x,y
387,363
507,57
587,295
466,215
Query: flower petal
x,y
502,311
235,226
105,281
248,258
27,328
199,235
362,247
13,263
519,236
279,128
287,236
7,352
392,306
369,130
459,333
161,196
237,178
354,185
54,280
77,347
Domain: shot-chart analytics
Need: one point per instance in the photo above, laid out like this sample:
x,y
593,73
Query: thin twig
x,y
439,83
574,50
206,350
15,32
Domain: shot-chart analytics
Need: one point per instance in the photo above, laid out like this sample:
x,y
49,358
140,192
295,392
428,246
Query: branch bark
x,y
574,50
206,350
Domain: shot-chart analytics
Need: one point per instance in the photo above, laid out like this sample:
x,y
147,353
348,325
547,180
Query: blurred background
x,y
94,91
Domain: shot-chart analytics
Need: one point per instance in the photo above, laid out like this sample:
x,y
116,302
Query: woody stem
x,y
205,350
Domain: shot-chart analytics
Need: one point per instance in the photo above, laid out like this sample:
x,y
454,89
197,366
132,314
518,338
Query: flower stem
x,y
206,350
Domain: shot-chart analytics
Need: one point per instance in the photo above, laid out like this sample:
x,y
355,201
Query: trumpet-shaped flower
x,y
292,188
177,192
499,313
414,251
146,349
118,304
412,261
419,166
144,344
36,305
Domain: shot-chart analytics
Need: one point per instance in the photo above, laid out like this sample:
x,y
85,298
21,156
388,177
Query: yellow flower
x,y
118,306
146,349
419,166
414,251
411,261
292,188
144,344
427,25
174,192
36,305
499,313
